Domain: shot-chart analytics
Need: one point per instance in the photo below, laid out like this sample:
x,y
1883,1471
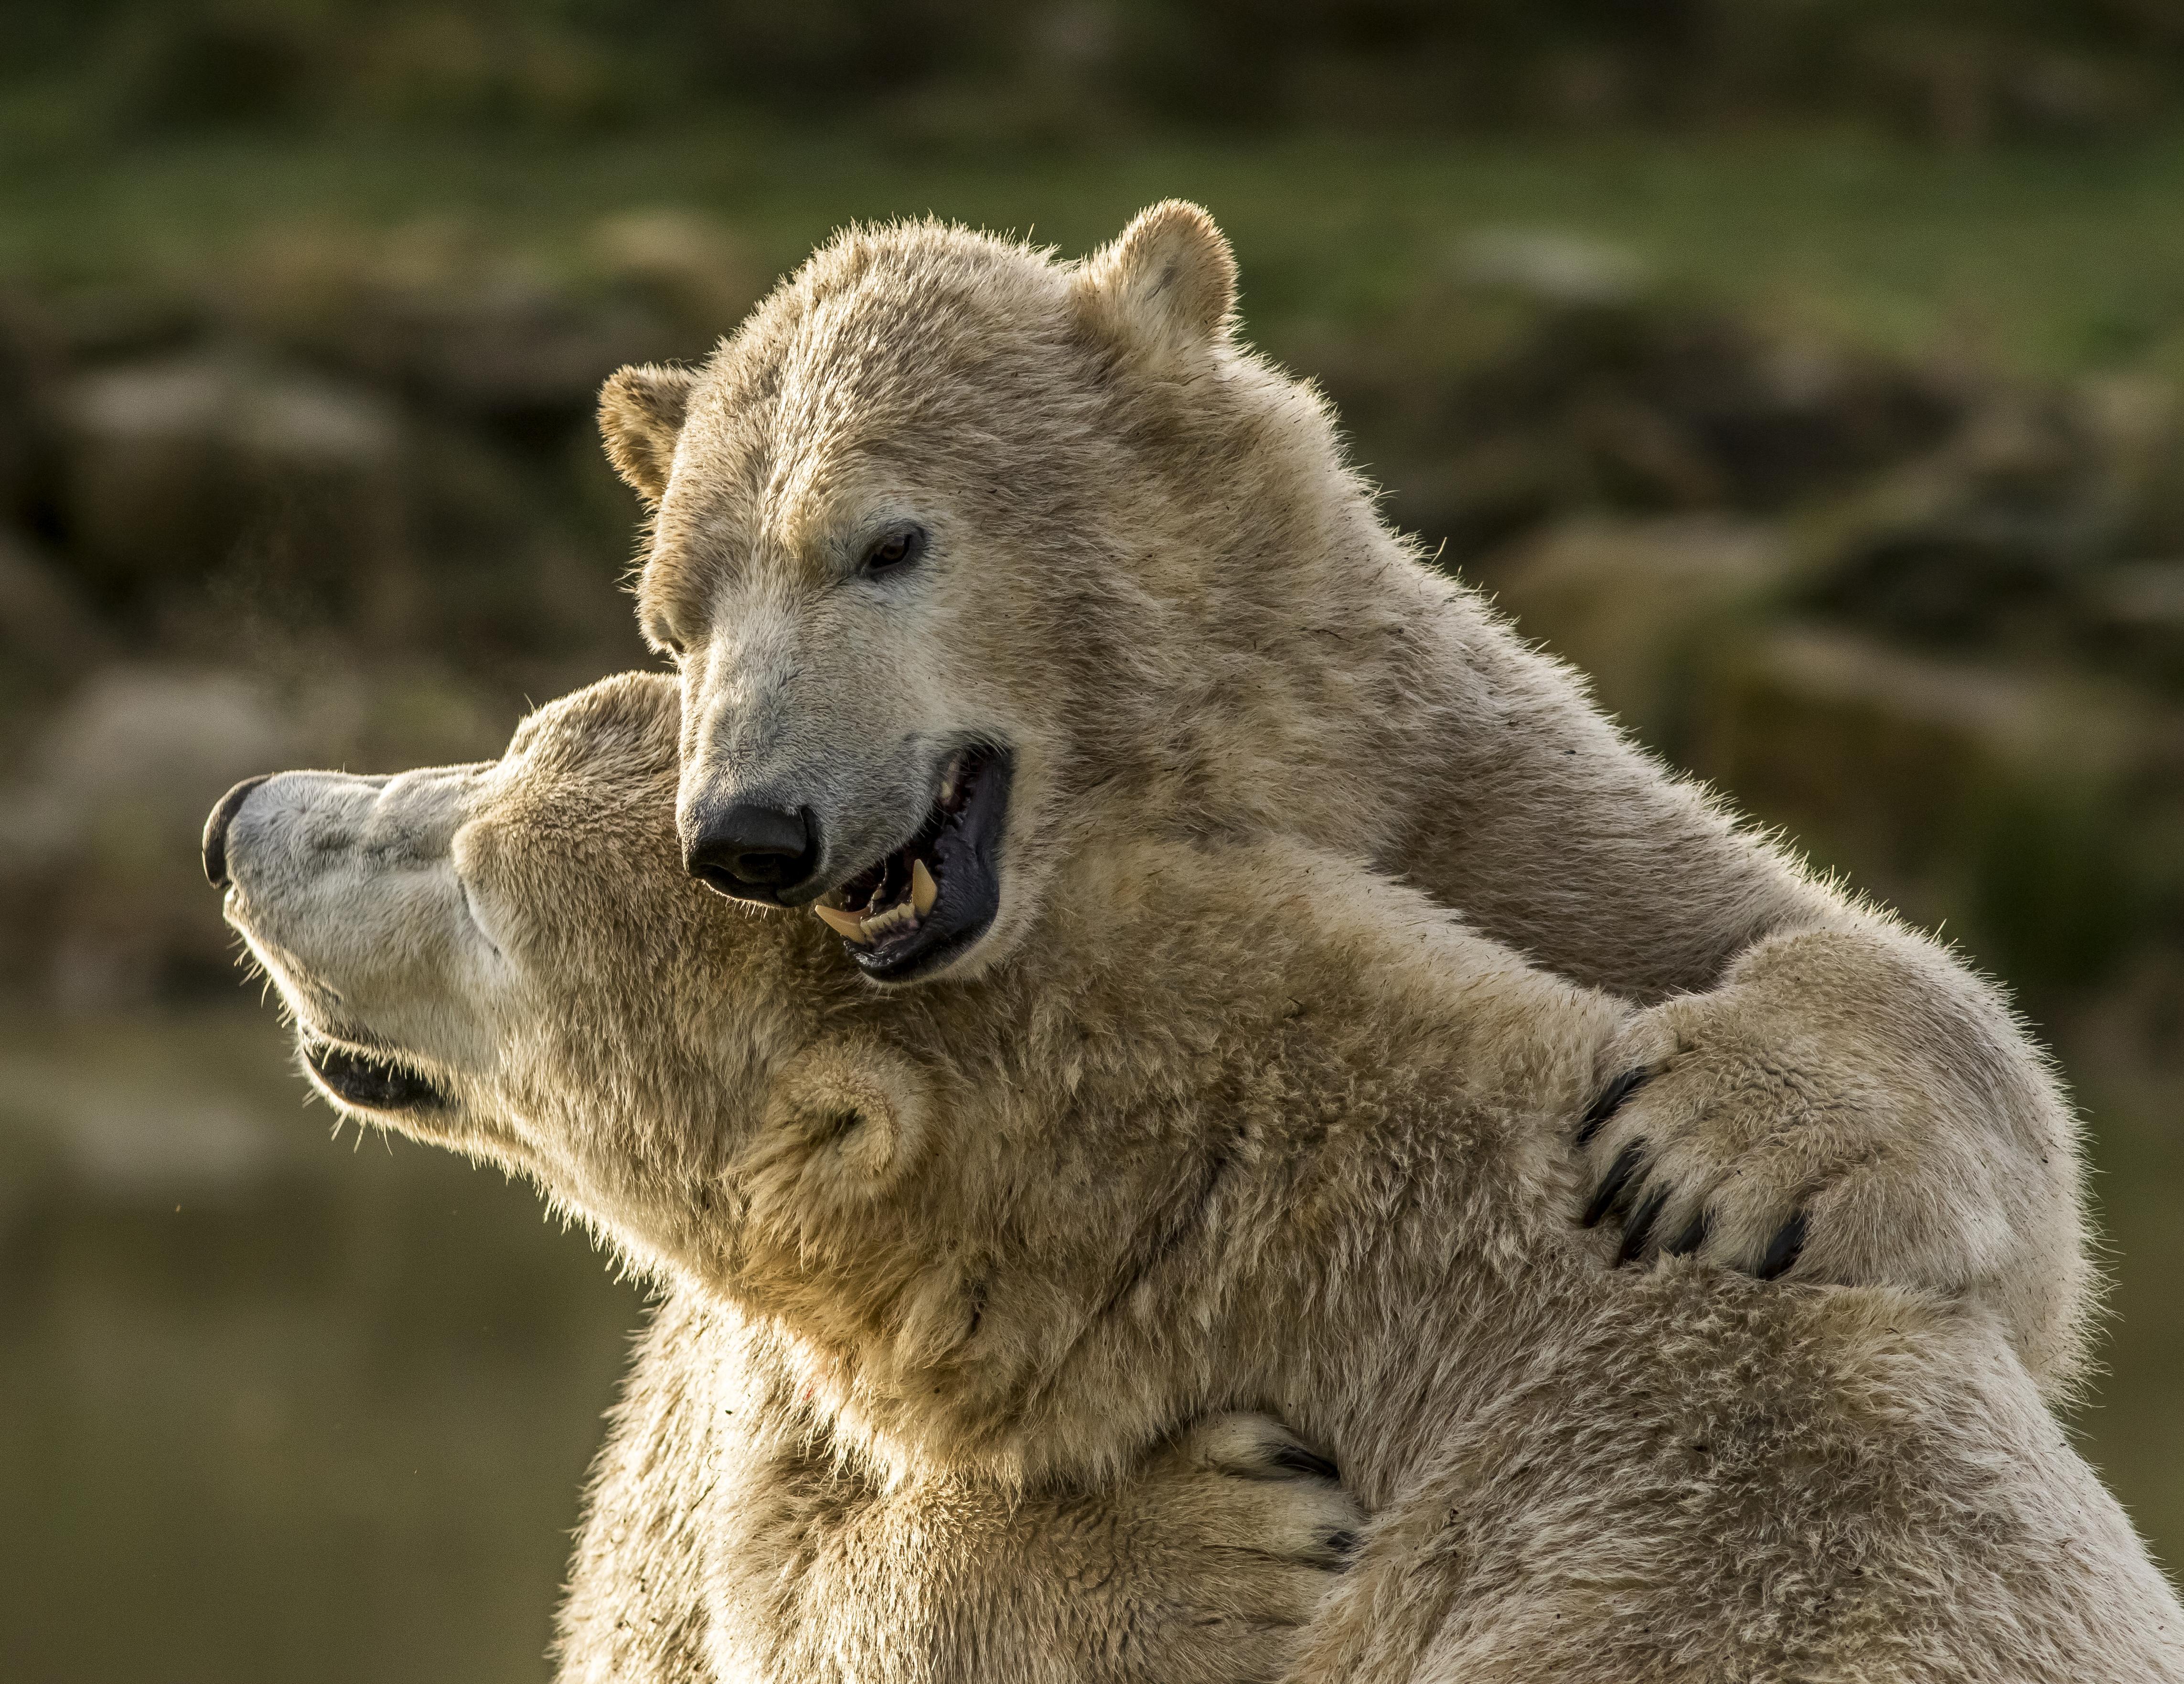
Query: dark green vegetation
x,y
1957,71
1851,469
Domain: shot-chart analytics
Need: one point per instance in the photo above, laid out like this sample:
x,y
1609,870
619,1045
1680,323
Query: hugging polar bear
x,y
1239,1124
988,577
971,560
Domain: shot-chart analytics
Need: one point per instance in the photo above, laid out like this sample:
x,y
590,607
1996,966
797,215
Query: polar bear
x,y
1239,1124
727,1543
967,555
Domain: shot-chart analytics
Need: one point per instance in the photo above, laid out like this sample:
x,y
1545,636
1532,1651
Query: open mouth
x,y
368,1081
916,909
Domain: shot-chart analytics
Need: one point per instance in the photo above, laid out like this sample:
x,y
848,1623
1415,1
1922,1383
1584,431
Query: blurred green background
x,y
1812,372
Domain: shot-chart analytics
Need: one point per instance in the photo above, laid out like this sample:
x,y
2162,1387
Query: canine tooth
x,y
847,925
948,779
923,890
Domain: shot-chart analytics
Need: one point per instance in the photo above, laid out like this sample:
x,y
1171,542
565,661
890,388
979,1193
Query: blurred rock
x,y
509,352
286,483
1677,408
30,363
691,267
48,635
2003,540
2135,617
2010,804
1641,406
1640,606
164,1146
115,322
521,560
431,315
407,714
99,876
2134,424
1551,266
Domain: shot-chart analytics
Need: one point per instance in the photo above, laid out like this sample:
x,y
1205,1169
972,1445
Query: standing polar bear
x,y
1239,1124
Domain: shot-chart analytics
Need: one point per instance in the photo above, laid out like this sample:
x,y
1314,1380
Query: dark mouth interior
x,y
368,1080
883,886
935,895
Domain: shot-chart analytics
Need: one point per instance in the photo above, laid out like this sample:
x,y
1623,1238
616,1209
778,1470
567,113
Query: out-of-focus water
x,y
274,1406
279,1407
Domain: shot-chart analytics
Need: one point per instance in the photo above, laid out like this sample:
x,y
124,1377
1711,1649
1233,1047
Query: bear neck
x,y
1256,1131
1349,691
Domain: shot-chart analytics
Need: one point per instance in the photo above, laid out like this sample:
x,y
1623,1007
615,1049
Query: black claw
x,y
1693,1236
1782,1249
1627,1164
1609,1103
1341,1545
1641,1225
1296,1459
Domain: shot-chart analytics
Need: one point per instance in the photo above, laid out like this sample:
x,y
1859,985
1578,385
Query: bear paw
x,y
1216,1554
1847,1108
1286,1499
1677,1178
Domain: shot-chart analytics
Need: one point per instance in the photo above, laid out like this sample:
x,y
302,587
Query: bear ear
x,y
1167,284
855,1104
640,411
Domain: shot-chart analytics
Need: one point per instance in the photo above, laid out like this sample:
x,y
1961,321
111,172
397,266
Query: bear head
x,y
967,555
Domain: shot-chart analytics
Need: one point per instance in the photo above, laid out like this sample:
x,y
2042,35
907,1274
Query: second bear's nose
x,y
752,852
213,844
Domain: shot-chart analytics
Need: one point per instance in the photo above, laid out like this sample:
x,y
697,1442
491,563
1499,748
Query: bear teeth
x,y
868,926
900,916
847,925
918,888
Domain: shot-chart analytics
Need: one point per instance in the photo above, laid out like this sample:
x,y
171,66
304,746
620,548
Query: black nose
x,y
213,844
753,853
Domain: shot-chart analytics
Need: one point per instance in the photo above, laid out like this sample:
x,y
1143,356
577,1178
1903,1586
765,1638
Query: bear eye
x,y
896,550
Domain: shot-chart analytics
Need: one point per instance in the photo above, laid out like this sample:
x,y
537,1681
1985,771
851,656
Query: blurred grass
x,y
2040,261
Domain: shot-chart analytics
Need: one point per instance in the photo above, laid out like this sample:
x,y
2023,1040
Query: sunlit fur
x,y
1242,1125
1154,573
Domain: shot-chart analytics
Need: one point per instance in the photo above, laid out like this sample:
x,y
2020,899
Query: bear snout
x,y
212,845
753,852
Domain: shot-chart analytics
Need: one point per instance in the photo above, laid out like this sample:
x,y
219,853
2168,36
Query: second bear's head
x,y
967,556
506,958
932,1190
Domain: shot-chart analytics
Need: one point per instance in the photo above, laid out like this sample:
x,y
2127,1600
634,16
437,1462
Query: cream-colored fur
x,y
1200,1564
1153,577
1241,1126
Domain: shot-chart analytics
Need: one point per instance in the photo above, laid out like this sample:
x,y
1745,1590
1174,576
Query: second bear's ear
x,y
1168,284
640,411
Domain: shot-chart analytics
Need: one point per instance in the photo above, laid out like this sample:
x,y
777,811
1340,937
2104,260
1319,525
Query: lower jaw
x,y
919,959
